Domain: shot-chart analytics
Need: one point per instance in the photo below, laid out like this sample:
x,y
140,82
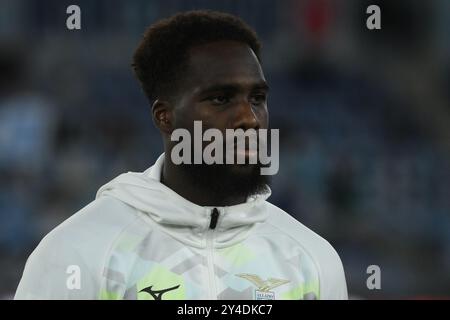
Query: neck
x,y
176,179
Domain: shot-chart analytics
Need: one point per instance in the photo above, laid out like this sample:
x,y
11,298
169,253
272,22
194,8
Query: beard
x,y
228,180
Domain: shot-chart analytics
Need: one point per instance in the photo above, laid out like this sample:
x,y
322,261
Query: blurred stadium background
x,y
364,119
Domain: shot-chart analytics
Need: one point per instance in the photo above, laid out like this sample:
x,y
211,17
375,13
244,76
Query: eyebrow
x,y
232,87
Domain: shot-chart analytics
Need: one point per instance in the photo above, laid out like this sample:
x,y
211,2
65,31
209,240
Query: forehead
x,y
223,62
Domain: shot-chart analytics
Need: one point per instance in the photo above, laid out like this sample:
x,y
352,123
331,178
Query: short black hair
x,y
161,57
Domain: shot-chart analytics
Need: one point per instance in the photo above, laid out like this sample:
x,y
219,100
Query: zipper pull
x,y
214,218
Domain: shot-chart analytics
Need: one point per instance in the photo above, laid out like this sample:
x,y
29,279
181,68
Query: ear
x,y
162,116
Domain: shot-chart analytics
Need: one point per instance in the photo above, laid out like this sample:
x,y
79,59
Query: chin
x,y
245,169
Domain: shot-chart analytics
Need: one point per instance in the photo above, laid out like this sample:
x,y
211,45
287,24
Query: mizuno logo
x,y
157,294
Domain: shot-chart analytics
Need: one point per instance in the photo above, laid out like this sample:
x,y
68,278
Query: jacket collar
x,y
178,216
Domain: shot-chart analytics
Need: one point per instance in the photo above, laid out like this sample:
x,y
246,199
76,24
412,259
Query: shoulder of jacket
x,y
88,235
327,261
315,245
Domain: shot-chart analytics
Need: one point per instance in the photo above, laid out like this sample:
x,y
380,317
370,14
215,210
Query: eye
x,y
258,99
219,100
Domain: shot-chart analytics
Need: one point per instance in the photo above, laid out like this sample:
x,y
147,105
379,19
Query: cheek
x,y
181,119
210,116
263,117
186,113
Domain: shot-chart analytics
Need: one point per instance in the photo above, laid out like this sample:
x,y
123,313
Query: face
x,y
225,88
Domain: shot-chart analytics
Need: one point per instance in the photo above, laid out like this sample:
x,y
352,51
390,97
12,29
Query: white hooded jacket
x,y
140,240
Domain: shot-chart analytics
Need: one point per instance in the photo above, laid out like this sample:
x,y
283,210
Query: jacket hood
x,y
145,192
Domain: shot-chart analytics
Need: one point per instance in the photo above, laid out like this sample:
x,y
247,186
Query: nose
x,y
245,117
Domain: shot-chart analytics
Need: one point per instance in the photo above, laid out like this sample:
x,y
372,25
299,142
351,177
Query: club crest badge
x,y
263,286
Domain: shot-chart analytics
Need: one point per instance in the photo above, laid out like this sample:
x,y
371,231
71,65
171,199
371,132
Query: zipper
x,y
214,218
210,254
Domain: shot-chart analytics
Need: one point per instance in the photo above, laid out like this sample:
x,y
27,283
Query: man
x,y
189,231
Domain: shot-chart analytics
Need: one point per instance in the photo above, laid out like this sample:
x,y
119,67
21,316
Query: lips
x,y
247,152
